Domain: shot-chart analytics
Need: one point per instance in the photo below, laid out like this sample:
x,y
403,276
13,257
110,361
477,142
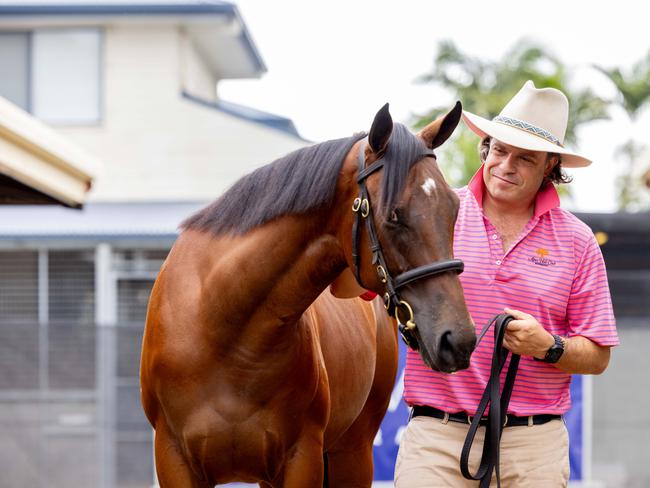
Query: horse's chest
x,y
249,444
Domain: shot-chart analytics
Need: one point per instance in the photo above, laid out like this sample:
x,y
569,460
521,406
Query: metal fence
x,y
70,412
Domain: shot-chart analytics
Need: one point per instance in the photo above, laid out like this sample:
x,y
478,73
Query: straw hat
x,y
535,119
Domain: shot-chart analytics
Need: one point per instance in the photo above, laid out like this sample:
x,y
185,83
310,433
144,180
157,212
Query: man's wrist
x,y
541,353
555,352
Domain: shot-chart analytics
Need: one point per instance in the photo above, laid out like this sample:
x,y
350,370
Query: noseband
x,y
394,305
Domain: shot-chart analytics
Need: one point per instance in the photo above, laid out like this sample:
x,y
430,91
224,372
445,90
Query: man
x,y
525,256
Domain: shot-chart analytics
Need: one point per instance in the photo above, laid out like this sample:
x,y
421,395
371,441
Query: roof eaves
x,y
249,114
126,9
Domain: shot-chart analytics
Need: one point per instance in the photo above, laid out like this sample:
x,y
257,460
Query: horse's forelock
x,y
403,151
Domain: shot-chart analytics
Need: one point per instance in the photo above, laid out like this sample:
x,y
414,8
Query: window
x,y
71,308
47,338
71,287
53,73
65,76
14,68
18,287
19,334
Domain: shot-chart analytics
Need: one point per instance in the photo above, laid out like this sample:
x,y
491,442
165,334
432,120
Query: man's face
x,y
513,175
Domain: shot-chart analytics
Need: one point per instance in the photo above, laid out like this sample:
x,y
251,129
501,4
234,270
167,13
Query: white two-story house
x,y
135,85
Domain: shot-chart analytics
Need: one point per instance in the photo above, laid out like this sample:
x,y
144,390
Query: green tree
x,y
633,87
485,86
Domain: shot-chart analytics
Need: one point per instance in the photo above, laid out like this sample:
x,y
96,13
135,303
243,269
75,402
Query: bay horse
x,y
251,370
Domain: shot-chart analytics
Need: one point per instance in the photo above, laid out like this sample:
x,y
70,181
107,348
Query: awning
x,y
37,165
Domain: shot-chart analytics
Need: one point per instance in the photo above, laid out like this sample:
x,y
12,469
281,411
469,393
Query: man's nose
x,y
508,161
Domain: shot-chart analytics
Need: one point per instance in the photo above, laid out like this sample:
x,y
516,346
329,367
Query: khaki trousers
x,y
429,455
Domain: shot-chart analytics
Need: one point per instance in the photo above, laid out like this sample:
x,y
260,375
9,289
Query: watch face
x,y
554,354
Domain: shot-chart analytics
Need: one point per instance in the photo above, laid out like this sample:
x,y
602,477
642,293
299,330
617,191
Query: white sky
x,y
332,64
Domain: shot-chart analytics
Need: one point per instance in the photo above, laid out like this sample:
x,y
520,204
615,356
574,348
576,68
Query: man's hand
x,y
526,336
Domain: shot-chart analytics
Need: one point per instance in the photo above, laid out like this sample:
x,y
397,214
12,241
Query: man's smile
x,y
504,179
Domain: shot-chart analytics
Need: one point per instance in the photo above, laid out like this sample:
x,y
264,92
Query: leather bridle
x,y
396,307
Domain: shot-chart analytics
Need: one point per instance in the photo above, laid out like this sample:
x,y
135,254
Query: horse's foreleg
x,y
350,466
350,459
304,468
171,467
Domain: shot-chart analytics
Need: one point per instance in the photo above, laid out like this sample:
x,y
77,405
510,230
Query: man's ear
x,y
551,163
381,129
440,129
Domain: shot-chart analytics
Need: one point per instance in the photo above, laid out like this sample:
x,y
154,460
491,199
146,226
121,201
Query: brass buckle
x,y
386,300
381,272
410,322
356,205
365,208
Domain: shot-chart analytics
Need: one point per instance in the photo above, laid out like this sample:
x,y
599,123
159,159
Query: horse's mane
x,y
302,180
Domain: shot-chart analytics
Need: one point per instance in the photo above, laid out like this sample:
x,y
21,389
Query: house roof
x,y
108,7
96,221
216,26
277,122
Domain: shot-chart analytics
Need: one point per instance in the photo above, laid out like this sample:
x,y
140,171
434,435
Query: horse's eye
x,y
394,216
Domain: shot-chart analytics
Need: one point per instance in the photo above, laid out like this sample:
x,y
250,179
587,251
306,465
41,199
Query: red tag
x,y
368,296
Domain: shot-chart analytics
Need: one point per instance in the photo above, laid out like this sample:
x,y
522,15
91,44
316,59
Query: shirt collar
x,y
546,199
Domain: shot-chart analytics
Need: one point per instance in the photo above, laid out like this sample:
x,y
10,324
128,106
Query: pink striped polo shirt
x,y
554,271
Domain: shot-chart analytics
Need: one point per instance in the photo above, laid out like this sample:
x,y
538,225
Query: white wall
x,y
155,144
195,75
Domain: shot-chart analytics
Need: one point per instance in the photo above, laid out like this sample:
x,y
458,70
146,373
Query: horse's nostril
x,y
453,343
454,350
446,342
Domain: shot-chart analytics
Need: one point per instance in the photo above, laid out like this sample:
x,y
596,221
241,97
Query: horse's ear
x,y
440,129
380,131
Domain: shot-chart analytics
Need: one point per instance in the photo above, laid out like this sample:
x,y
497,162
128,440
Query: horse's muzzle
x,y
454,350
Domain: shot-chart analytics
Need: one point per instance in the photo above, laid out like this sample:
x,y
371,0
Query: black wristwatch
x,y
554,352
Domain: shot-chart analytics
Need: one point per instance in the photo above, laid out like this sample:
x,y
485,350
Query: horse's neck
x,y
271,274
296,262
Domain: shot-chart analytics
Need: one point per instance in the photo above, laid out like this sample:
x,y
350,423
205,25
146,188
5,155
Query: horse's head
x,y
413,212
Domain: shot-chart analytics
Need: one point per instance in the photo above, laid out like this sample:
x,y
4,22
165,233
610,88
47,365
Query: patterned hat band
x,y
520,124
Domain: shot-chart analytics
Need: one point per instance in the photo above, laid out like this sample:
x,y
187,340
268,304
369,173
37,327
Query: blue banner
x,y
388,437
573,420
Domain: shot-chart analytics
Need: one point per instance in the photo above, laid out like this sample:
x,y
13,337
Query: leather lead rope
x,y
498,402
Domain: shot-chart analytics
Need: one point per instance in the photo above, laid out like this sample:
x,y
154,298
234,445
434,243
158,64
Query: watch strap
x,y
554,352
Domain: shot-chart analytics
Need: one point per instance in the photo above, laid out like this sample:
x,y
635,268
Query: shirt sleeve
x,y
589,312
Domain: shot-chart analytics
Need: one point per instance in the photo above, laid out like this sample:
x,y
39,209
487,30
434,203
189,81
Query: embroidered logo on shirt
x,y
541,259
